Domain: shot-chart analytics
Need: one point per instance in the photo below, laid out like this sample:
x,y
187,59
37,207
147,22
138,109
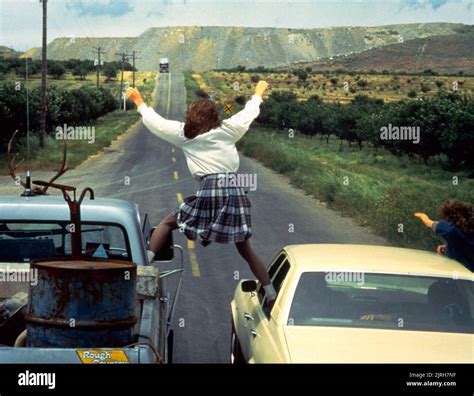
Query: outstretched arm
x,y
425,219
239,123
171,131
442,228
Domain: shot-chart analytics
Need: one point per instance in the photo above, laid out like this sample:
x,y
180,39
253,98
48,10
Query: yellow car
x,y
356,304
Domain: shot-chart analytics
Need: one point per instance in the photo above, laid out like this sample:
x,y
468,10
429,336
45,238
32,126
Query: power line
x,y
57,27
87,22
82,28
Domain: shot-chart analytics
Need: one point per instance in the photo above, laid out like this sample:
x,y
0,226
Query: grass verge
x,y
377,189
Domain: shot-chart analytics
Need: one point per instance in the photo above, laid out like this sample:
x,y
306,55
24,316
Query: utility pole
x,y
133,66
44,71
99,52
124,57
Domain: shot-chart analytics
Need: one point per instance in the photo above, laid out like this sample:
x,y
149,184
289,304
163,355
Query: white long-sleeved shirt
x,y
210,152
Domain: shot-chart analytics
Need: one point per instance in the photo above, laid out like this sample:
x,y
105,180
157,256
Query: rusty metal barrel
x,y
81,302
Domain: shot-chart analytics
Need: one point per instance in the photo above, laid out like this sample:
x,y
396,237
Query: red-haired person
x,y
219,212
456,227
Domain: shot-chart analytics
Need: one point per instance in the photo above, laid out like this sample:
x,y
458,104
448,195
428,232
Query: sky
x,y
20,21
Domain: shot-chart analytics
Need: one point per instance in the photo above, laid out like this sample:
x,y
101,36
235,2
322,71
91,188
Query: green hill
x,y
206,47
7,52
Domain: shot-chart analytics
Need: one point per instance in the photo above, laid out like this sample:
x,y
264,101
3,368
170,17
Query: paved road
x,y
159,177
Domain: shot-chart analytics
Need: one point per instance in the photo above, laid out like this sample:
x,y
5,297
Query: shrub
x,y
240,99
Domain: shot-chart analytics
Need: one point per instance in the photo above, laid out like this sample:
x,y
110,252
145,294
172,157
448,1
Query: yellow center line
x,y
173,159
175,175
194,263
180,198
172,150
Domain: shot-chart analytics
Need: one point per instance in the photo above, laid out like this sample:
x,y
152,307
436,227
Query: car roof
x,y
371,258
54,207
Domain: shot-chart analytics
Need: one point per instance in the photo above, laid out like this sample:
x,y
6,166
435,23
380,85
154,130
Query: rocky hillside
x,y
207,47
443,54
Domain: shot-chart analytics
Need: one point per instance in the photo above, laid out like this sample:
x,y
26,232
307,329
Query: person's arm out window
x,y
171,131
238,124
444,229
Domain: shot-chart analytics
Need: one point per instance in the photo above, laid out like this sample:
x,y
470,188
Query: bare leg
x,y
160,235
255,263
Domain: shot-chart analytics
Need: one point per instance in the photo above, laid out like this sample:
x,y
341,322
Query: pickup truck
x,y
36,227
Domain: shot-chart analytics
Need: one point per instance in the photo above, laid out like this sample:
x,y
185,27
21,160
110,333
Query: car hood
x,y
314,344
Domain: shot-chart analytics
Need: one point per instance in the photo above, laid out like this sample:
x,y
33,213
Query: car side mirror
x,y
166,253
249,286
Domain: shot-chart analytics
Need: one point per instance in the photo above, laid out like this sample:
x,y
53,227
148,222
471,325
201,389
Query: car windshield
x,y
403,302
22,242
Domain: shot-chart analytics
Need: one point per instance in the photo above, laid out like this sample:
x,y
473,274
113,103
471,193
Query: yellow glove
x,y
134,95
261,87
425,219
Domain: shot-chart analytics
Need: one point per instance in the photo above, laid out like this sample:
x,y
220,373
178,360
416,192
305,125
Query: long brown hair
x,y
459,213
201,116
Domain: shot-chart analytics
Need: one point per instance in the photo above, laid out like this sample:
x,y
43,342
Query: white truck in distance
x,y
164,65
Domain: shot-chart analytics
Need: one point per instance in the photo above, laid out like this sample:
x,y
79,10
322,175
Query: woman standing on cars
x,y
220,211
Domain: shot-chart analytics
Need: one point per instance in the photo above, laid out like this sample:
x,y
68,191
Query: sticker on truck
x,y
100,356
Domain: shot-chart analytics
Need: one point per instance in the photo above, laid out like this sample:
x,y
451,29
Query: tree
x,y
12,110
421,116
369,125
346,125
240,99
19,67
110,72
455,128
80,71
425,88
255,78
57,70
301,74
280,110
311,115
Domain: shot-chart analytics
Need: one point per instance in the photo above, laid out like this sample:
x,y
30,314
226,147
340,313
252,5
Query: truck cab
x,y
164,65
39,227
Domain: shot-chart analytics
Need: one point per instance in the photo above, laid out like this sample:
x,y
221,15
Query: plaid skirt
x,y
217,213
